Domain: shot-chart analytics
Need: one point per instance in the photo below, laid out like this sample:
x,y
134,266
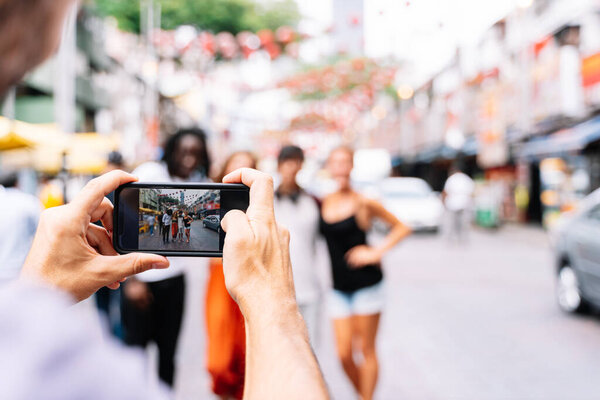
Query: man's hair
x,y
116,158
9,179
290,152
173,142
219,176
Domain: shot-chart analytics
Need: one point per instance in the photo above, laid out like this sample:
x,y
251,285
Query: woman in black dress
x,y
356,301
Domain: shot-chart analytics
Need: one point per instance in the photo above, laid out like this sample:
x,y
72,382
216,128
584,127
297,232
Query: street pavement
x,y
477,321
201,239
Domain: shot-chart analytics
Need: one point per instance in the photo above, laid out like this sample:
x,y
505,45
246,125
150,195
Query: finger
x,y
99,239
92,194
104,213
119,267
236,220
261,188
114,285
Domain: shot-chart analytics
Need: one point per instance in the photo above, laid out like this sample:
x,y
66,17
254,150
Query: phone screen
x,y
175,219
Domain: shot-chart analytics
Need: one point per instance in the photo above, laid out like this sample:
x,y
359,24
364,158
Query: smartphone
x,y
182,219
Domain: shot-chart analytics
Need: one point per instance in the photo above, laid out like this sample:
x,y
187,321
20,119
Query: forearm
x,y
398,233
279,361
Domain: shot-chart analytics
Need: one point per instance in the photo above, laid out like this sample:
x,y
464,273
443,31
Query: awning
x,y
42,146
562,142
149,210
12,141
440,152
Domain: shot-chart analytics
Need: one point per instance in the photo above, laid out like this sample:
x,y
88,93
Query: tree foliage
x,y
213,15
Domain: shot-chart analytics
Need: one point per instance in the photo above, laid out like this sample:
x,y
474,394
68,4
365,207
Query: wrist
x,y
267,309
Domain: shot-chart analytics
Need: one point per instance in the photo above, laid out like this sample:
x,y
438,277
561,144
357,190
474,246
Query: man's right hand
x,y
256,260
258,274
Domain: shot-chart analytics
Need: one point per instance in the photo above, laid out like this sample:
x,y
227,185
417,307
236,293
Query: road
x,y
473,322
202,239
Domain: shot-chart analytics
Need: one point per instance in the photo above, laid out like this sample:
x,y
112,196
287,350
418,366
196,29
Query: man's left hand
x,y
73,254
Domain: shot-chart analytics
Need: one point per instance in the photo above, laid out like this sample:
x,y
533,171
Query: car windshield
x,y
410,189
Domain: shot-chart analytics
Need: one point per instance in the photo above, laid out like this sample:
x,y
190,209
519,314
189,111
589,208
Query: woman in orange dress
x,y
224,322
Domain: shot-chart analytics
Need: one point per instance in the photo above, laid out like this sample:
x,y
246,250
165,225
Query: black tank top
x,y
342,236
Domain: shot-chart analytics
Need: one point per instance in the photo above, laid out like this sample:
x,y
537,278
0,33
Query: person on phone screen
x,y
356,299
152,306
226,338
187,221
180,225
175,225
166,222
299,212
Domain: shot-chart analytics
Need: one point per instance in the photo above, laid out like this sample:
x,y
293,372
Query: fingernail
x,y
159,266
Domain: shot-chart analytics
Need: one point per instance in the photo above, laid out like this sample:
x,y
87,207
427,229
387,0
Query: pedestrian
x,y
299,212
174,226
356,300
166,221
226,337
160,223
150,221
18,222
153,303
51,192
187,220
457,197
180,226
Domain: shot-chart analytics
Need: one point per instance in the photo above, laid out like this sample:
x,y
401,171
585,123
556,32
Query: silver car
x,y
576,240
413,202
212,222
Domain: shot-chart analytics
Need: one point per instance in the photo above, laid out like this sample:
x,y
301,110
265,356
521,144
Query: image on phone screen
x,y
179,219
176,220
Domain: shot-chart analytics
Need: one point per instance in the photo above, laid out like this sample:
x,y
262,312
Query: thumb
x,y
119,267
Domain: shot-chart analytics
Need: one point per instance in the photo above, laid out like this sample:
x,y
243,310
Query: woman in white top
x,y
152,305
180,226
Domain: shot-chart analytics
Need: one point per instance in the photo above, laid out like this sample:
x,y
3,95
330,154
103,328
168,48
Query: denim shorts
x,y
365,301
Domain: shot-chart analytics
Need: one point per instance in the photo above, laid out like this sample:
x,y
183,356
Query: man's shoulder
x,y
24,200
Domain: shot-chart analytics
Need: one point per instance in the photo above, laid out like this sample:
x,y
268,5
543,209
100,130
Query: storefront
x,y
567,166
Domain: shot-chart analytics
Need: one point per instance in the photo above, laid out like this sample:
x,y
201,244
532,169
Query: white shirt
x,y
459,192
157,172
166,219
51,351
301,218
18,222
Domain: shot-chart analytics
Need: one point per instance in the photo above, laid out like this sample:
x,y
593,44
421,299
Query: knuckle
x,y
137,264
285,233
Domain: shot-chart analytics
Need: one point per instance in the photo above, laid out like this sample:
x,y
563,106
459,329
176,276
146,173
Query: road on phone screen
x,y
201,239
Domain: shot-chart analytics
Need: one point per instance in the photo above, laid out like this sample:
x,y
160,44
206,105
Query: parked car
x,y
576,242
413,202
212,222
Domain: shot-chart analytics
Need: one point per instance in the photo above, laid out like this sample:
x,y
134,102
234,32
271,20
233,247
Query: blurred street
x,y
478,322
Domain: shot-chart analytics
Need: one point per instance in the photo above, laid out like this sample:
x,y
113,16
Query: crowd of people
x,y
263,298
173,224
152,302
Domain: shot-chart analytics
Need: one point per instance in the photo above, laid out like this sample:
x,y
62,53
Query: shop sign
x,y
491,140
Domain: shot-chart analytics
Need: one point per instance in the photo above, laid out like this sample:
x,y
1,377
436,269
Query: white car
x,y
413,202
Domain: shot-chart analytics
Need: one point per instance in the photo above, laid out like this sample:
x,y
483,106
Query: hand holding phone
x,y
75,255
174,219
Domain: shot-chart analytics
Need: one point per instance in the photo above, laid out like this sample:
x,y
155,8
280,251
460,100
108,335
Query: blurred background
x,y
509,90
